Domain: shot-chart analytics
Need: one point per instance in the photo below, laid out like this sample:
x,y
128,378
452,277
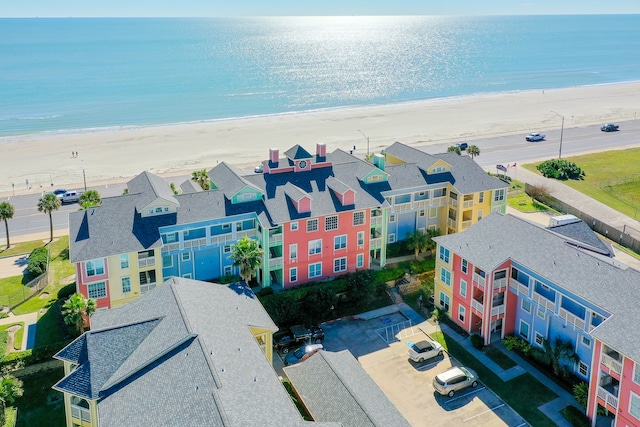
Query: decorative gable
x,y
343,192
439,166
374,175
247,194
300,199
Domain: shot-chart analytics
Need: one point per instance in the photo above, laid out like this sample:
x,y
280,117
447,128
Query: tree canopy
x,y
473,151
247,255
47,204
90,198
201,177
6,213
75,309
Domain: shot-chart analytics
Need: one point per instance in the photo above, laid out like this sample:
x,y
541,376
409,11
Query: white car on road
x,y
423,350
534,137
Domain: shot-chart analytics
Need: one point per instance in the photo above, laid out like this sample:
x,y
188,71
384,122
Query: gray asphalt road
x,y
505,149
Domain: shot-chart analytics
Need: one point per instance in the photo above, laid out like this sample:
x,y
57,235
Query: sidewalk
x,y
550,409
29,319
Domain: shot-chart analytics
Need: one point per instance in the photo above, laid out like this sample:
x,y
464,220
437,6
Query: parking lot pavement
x,y
380,345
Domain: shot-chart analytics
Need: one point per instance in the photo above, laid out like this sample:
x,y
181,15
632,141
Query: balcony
x,y
439,201
80,413
195,243
499,283
421,204
477,306
611,362
609,398
376,220
221,239
246,233
498,310
275,238
453,202
401,207
170,247
374,243
467,204
572,319
543,302
146,262
478,280
518,287
276,262
466,224
451,222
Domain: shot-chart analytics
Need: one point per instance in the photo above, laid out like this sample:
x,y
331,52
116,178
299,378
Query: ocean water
x,y
80,74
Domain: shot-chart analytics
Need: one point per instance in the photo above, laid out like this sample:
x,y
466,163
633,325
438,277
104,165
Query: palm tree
x,y
555,355
75,309
417,241
90,198
6,213
473,151
454,149
10,390
202,179
247,255
47,204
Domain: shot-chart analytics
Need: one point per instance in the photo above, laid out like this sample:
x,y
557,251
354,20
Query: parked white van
x,y
70,197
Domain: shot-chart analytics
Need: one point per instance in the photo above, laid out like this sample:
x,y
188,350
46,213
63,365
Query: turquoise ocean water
x,y
80,74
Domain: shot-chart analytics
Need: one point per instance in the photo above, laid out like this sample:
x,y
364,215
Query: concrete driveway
x,y
13,265
380,345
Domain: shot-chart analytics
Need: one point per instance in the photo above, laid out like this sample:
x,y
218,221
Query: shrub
x,y
560,169
4,314
67,291
439,314
514,343
538,192
37,261
380,289
576,417
581,393
358,286
226,280
318,302
266,291
476,341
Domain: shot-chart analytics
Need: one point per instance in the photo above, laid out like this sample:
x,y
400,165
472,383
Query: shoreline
x,y
110,155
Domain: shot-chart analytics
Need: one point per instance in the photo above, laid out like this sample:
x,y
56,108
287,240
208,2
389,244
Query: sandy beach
x,y
114,155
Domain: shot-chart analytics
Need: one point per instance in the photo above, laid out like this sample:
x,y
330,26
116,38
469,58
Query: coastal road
x,y
506,149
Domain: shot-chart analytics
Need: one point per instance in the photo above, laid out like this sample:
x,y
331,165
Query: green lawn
x,y
524,393
21,248
501,359
611,178
18,337
40,406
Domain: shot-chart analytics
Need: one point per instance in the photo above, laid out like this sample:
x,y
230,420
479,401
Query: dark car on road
x,y
462,145
297,335
609,127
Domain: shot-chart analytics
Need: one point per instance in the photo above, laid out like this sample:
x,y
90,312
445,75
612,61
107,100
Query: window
x,y
465,266
293,251
126,284
312,225
159,210
463,288
444,254
95,267
186,256
315,247
124,261
358,218
526,305
226,226
293,226
392,238
392,218
228,270
151,211
524,330
481,197
246,197
438,169
315,270
433,212
498,195
226,249
97,290
421,212
187,276
539,339
586,342
634,405
166,209
583,368
359,260
339,264
461,313
541,313
444,301
340,242
636,373
479,214
360,238
170,237
293,274
331,223
167,261
445,276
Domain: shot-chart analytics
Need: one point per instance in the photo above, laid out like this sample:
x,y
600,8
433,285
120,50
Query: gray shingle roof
x,y
229,179
584,237
151,187
297,153
605,283
334,387
183,351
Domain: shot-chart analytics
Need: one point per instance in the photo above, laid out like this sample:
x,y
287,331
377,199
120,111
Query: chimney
x,y
274,155
321,150
378,161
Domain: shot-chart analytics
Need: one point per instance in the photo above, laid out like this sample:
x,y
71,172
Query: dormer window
x,y
302,164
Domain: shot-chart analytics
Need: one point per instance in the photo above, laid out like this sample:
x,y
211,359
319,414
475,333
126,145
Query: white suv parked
x,y
70,197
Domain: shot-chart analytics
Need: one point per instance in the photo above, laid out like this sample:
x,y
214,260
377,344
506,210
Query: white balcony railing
x,y
477,305
146,262
221,239
439,201
375,242
467,204
420,204
613,364
276,262
170,247
518,287
466,224
572,319
498,310
478,280
453,202
451,222
246,233
500,283
608,397
401,207
376,220
543,302
80,413
195,243
275,238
